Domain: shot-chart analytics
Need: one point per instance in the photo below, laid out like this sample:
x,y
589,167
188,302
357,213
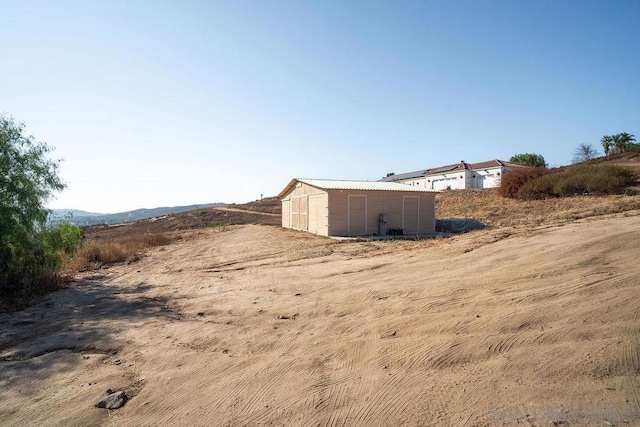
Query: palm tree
x,y
607,143
622,142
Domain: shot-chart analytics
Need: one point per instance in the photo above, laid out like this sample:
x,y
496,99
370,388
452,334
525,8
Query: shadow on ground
x,y
87,317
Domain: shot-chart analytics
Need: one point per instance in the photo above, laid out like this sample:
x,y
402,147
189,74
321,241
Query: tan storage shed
x,y
357,208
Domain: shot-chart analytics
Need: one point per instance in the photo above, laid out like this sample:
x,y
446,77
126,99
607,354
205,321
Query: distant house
x,y
456,176
357,208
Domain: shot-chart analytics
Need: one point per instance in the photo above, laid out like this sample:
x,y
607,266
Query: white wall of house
x,y
458,180
455,180
487,178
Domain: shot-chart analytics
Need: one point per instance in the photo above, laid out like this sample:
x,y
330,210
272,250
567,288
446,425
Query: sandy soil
x,y
257,325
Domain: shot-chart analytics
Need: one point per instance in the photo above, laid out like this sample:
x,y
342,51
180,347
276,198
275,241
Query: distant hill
x,y
84,218
74,213
263,212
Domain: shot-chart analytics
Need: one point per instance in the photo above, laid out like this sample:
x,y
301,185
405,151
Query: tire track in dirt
x,y
354,271
632,359
329,392
435,304
341,393
503,343
387,400
470,414
360,357
449,351
261,401
244,378
341,376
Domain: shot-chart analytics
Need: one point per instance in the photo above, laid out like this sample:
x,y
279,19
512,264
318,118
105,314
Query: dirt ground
x,y
257,325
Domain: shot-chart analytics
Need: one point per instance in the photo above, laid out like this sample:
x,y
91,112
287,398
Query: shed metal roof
x,y
327,184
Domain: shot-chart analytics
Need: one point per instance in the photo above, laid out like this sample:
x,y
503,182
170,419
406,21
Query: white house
x,y
456,176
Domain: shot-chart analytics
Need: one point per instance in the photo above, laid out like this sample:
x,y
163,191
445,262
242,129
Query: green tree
x,y
583,153
28,179
528,159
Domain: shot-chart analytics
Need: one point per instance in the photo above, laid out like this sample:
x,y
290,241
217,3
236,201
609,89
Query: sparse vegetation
x,y
106,244
266,205
578,180
495,211
221,226
597,179
513,180
97,253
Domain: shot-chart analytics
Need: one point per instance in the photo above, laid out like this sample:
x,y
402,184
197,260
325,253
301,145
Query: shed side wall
x,y
378,202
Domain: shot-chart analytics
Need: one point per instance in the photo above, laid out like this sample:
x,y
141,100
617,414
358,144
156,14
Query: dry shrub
x,y
124,249
21,289
495,211
152,240
539,183
577,180
513,180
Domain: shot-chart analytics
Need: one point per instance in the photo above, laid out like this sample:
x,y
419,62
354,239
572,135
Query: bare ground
x,y
256,325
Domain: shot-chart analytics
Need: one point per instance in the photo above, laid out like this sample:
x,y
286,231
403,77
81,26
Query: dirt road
x,y
257,325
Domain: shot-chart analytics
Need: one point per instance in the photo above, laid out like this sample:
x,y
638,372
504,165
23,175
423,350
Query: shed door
x,y
411,215
300,213
357,215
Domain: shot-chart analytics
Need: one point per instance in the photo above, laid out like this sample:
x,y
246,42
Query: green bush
x,y
63,237
30,263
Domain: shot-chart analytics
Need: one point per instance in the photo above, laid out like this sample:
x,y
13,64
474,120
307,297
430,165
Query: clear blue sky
x,y
156,103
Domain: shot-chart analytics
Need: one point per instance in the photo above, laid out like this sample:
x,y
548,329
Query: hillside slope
x,y
484,205
264,212
487,206
495,211
259,325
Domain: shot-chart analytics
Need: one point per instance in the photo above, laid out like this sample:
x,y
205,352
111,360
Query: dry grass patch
x,y
98,252
20,291
488,207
